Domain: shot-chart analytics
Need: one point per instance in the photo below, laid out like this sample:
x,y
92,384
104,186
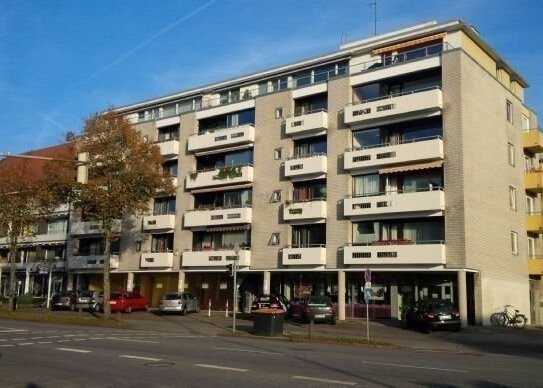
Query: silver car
x,y
178,302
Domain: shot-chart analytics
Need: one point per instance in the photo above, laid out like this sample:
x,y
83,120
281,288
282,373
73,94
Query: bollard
x,y
80,311
311,326
226,311
119,316
209,308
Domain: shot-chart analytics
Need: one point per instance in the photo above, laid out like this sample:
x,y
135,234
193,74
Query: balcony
x,y
418,150
215,258
535,266
218,216
228,137
421,201
300,166
395,252
312,209
219,177
533,140
156,260
315,123
309,255
533,181
417,103
169,148
39,239
92,262
534,222
159,222
92,227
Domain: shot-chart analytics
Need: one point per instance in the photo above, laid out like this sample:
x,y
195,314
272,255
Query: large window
x,y
170,168
57,226
226,199
95,247
310,146
365,185
227,121
164,206
236,158
162,242
304,236
221,240
408,231
311,104
306,191
171,132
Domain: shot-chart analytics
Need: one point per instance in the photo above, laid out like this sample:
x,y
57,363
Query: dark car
x,y
431,314
269,301
319,308
62,300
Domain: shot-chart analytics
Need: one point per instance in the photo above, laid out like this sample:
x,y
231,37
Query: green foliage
x,y
229,172
193,175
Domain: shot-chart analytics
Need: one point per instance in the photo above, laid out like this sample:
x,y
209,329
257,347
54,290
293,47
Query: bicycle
x,y
506,317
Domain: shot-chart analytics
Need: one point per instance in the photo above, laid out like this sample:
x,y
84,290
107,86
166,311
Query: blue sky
x,y
60,61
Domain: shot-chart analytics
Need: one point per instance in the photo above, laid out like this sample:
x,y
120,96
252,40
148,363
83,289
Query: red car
x,y
127,301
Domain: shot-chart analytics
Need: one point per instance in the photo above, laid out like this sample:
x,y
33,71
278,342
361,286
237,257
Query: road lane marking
x,y
96,338
130,340
415,367
140,358
25,343
35,337
80,339
19,339
324,380
221,367
9,330
69,335
248,351
5,346
53,336
45,342
74,350
63,341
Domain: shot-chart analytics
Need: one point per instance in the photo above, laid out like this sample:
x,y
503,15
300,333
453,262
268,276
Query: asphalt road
x,y
42,355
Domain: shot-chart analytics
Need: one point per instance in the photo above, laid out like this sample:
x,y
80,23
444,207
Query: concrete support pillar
x,y
130,281
181,282
70,282
462,297
266,282
394,303
27,281
341,295
1,289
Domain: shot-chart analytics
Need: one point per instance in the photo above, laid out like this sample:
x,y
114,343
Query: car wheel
x,y
184,311
128,309
97,308
333,321
146,307
198,308
427,329
457,328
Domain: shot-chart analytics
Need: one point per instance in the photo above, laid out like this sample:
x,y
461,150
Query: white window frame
x,y
509,111
275,239
512,198
511,154
532,246
276,196
514,243
530,204
525,123
277,153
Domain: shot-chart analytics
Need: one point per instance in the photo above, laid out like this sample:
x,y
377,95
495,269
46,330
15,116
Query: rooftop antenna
x,y
374,4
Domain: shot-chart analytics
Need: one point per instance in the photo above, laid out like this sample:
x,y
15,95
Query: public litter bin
x,y
268,322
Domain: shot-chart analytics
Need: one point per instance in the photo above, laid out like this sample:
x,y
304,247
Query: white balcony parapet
x,y
159,222
314,122
215,258
39,239
315,164
429,200
417,150
92,227
219,177
92,262
395,252
218,216
387,107
169,148
41,266
227,137
310,255
156,260
304,210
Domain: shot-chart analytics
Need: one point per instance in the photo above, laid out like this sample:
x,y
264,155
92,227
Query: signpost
x,y
367,298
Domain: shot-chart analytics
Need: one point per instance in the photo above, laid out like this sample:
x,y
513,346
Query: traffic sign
x,y
367,275
367,294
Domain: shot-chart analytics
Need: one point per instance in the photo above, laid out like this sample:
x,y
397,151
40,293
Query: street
x,y
44,355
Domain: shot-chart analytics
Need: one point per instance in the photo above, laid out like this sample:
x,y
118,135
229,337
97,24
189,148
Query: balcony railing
x,y
216,258
314,121
304,254
82,261
92,227
218,216
220,176
430,199
533,140
223,137
169,147
156,260
302,210
534,222
316,163
159,222
404,251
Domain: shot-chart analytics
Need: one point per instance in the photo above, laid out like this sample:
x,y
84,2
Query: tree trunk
x,y
13,267
107,285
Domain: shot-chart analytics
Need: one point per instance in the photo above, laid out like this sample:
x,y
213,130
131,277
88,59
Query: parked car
x,y
269,301
62,300
82,299
178,302
319,308
431,314
97,300
125,301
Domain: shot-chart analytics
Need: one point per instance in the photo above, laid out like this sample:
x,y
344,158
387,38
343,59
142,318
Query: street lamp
x,y
235,297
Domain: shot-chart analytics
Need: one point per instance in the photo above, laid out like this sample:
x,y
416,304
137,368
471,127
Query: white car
x,y
179,302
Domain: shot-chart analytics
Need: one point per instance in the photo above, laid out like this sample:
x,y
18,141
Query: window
x,y
162,243
530,204
514,243
511,154
274,239
531,247
525,122
171,132
138,246
164,206
278,113
276,196
277,153
512,198
509,111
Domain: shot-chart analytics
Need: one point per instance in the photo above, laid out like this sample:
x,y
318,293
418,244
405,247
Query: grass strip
x,y
48,317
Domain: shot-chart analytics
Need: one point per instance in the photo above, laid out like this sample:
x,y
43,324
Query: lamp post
x,y
235,297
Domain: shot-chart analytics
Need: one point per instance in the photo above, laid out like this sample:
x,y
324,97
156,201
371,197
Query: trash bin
x,y
268,322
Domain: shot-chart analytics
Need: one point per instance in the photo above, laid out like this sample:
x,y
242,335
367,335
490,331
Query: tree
x,y
30,190
124,174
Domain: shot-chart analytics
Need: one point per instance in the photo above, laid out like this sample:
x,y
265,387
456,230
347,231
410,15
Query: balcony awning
x,y
412,167
222,188
223,149
26,244
229,228
408,44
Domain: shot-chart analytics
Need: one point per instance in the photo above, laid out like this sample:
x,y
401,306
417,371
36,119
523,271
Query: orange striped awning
x,y
413,167
408,44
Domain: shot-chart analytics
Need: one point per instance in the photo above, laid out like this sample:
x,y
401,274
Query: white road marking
x,y
96,338
25,343
74,350
69,335
3,340
45,342
54,336
9,330
324,380
131,340
5,346
140,358
63,341
80,339
221,367
248,351
415,367
18,339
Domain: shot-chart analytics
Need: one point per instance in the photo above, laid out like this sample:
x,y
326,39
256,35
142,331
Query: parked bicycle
x,y
507,317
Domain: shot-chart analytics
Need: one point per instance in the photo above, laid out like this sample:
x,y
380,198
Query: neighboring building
x,y
45,245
